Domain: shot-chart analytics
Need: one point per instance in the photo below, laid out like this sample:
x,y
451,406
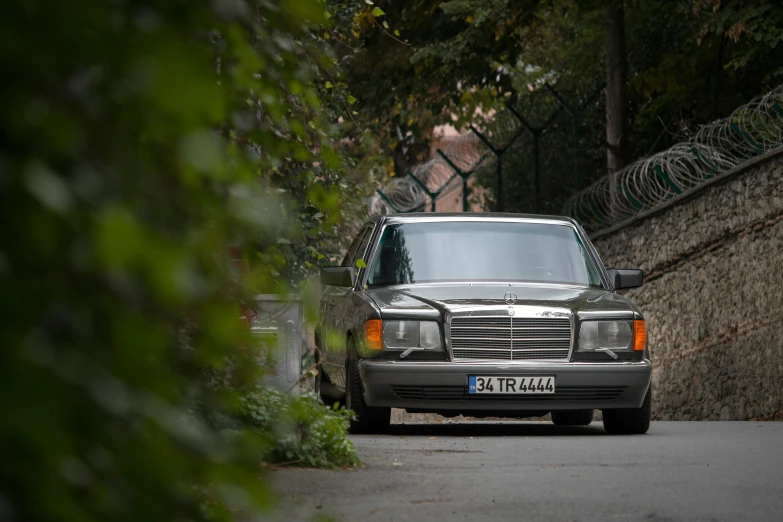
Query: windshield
x,y
481,251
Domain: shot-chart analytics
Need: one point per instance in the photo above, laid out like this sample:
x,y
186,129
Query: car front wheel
x,y
629,421
369,419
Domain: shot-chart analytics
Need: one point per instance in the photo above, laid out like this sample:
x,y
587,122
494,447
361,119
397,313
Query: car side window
x,y
358,247
361,252
352,249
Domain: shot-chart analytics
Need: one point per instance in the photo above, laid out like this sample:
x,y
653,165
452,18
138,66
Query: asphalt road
x,y
533,471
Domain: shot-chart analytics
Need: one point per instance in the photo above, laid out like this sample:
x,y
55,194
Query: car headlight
x,y
406,335
612,335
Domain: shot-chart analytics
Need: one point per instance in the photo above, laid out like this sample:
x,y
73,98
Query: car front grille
x,y
562,393
510,338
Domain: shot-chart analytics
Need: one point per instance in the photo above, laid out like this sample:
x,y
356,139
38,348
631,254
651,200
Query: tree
x,y
686,63
616,90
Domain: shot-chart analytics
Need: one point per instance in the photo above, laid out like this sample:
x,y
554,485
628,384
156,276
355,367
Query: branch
x,y
382,28
336,38
335,82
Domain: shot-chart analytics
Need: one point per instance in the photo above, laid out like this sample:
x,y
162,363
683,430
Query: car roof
x,y
472,216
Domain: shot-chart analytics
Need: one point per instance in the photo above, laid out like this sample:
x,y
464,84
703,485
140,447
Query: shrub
x,y
299,430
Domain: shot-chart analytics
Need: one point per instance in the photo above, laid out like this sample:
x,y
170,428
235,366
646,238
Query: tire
x,y
572,417
318,368
629,421
369,419
318,379
324,388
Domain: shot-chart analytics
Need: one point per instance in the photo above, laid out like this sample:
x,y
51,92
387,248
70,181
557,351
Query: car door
x,y
340,311
328,332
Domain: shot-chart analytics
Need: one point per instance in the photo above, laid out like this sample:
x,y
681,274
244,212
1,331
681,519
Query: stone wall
x,y
713,293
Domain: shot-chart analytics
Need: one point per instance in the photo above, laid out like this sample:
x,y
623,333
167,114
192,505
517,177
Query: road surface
x,y
533,471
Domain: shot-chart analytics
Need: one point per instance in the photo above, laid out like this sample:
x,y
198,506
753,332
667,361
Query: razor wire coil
x,y
751,130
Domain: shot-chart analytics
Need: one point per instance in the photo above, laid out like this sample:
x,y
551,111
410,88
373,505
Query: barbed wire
x,y
508,141
749,131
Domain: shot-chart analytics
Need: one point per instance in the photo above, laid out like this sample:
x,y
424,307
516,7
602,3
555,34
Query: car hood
x,y
431,301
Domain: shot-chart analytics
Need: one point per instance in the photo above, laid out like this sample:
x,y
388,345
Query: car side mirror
x,y
338,276
625,278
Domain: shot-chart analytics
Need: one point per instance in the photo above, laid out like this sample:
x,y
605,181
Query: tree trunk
x,y
616,92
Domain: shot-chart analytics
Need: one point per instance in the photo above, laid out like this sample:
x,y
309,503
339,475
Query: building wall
x,y
713,293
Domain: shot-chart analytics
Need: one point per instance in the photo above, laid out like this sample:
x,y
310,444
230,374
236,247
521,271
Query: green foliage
x,y
395,104
753,28
139,147
299,431
689,63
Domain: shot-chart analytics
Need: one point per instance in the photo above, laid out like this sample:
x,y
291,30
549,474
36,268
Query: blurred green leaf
x,y
158,172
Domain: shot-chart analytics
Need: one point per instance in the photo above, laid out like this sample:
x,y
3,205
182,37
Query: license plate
x,y
539,385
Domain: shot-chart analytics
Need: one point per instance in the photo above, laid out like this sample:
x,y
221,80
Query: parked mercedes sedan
x,y
482,315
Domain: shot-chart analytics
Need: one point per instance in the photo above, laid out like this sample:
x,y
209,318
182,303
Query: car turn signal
x,y
639,335
373,334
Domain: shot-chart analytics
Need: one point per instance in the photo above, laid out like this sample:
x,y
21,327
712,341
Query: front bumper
x,y
441,386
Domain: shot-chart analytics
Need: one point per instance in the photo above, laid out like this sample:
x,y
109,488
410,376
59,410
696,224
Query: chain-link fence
x,y
518,161
478,170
